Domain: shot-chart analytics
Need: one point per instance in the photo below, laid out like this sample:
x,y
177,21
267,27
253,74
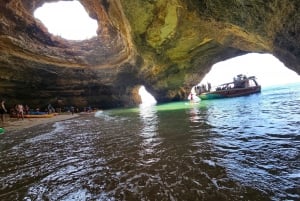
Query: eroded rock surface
x,y
168,46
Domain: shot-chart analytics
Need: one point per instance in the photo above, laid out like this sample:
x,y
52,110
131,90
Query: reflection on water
x,y
244,148
149,135
259,141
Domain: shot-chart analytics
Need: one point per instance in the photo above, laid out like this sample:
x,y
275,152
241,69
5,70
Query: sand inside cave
x,y
14,124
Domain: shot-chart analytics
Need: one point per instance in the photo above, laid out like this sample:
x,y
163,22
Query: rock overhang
x,y
36,63
168,46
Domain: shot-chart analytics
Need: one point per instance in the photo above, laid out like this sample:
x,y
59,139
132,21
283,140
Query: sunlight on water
x,y
103,115
180,106
143,109
149,133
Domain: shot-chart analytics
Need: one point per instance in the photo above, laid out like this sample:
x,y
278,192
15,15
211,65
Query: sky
x,y
70,20
268,70
67,19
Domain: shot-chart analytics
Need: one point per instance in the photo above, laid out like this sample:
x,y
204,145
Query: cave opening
x,y
268,70
67,19
146,97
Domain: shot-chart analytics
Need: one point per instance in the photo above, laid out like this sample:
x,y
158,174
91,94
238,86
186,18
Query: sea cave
x,y
166,46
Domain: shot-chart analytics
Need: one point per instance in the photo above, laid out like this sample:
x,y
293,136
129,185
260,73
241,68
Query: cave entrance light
x,y
268,70
146,97
67,19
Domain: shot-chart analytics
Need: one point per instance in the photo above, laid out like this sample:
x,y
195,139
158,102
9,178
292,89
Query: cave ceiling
x,y
168,46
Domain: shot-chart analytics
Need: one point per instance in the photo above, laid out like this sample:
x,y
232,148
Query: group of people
x,y
241,81
203,88
19,110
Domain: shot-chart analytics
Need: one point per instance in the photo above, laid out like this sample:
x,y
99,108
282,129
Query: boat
x,y
241,86
36,115
39,115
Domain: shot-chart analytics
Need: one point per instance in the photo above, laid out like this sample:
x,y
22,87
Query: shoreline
x,y
14,124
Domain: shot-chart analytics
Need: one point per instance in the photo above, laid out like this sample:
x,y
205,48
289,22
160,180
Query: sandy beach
x,y
14,124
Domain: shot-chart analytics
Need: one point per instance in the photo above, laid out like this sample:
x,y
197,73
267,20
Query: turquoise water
x,y
245,148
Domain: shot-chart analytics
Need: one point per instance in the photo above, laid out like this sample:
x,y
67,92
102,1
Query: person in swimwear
x,y
20,111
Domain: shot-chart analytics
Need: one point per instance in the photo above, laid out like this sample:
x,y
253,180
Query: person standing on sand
x,y
20,111
26,109
2,110
72,109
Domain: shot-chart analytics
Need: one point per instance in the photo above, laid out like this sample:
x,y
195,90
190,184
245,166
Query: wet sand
x,y
14,124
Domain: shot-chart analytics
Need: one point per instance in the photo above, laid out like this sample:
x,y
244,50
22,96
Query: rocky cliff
x,y
168,46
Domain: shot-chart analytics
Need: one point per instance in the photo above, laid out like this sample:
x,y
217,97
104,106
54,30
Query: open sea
x,y
245,148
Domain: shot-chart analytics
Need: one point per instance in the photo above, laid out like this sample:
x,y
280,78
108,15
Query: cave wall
x,y
168,46
185,38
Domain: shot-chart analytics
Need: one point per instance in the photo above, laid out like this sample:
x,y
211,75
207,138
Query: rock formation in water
x,y
168,46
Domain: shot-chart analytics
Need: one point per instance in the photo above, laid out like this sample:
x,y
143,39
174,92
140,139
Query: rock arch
x,y
167,46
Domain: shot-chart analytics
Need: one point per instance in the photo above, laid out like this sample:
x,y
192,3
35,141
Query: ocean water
x,y
245,148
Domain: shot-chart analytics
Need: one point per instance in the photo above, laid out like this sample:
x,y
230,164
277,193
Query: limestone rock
x,y
168,46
